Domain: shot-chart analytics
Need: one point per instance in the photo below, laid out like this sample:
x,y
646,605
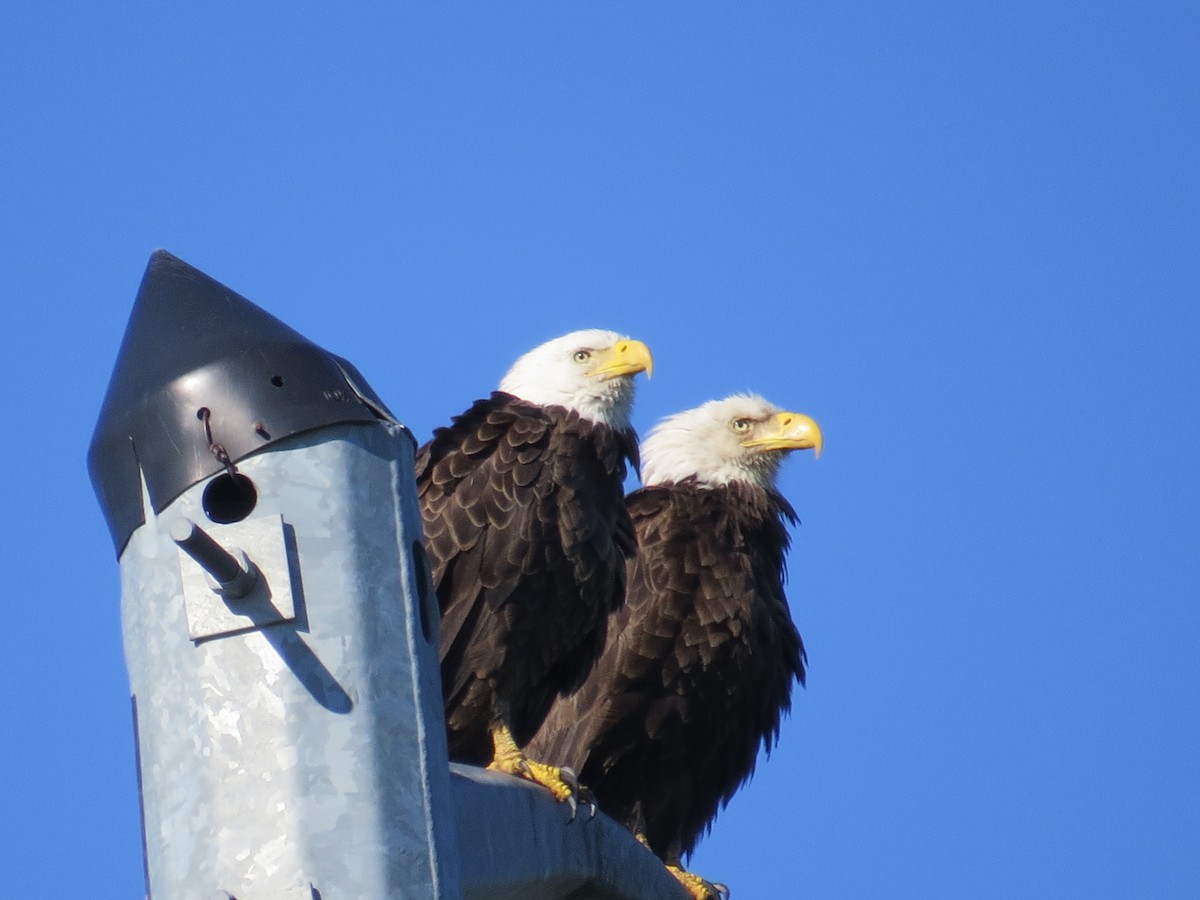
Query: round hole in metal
x,y
229,498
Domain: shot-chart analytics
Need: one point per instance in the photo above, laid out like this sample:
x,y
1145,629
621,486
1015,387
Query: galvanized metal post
x,y
288,710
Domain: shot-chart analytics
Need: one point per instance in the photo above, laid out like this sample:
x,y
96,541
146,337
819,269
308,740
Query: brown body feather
x,y
527,534
698,667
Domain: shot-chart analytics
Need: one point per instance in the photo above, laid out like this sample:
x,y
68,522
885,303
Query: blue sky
x,y
964,237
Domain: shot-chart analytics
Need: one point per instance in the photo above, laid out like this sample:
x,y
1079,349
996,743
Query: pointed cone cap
x,y
192,344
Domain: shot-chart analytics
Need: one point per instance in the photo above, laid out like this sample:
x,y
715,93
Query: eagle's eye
x,y
740,425
582,356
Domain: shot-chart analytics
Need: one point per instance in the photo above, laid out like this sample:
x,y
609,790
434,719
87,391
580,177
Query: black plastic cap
x,y
191,345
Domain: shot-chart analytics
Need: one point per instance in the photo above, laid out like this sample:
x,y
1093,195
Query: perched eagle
x,y
700,660
522,502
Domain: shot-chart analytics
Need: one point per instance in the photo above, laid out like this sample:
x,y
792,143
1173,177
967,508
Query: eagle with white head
x,y
522,503
700,661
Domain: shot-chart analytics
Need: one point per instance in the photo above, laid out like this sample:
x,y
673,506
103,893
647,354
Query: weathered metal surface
x,y
307,754
519,843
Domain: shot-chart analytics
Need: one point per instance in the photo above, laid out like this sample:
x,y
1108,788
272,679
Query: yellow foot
x,y
697,886
561,782
549,777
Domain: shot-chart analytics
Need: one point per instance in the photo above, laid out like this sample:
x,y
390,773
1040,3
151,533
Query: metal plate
x,y
269,602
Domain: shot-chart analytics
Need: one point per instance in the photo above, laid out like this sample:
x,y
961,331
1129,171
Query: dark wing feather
x,y
527,534
698,667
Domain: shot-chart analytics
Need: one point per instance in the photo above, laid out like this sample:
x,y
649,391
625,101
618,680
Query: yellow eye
x,y
740,425
582,356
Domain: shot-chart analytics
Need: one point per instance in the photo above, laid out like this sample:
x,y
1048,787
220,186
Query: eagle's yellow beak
x,y
623,358
788,431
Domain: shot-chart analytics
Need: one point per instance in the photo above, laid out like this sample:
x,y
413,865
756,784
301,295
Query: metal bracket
x,y
213,611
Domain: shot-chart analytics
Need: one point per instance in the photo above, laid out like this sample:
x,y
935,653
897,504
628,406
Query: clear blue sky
x,y
963,236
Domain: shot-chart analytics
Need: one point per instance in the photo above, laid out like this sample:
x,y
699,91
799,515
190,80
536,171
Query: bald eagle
x,y
700,661
522,502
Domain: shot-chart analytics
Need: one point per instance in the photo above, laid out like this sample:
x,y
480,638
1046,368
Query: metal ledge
x,y
516,843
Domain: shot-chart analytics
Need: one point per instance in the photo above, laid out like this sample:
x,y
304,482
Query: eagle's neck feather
x,y
604,403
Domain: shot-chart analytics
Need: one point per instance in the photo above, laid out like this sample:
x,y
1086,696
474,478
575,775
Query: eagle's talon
x,y
568,777
567,774
588,799
507,757
698,887
579,792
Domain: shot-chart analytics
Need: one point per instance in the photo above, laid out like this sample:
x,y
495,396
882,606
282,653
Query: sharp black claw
x,y
567,774
721,890
588,799
574,805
